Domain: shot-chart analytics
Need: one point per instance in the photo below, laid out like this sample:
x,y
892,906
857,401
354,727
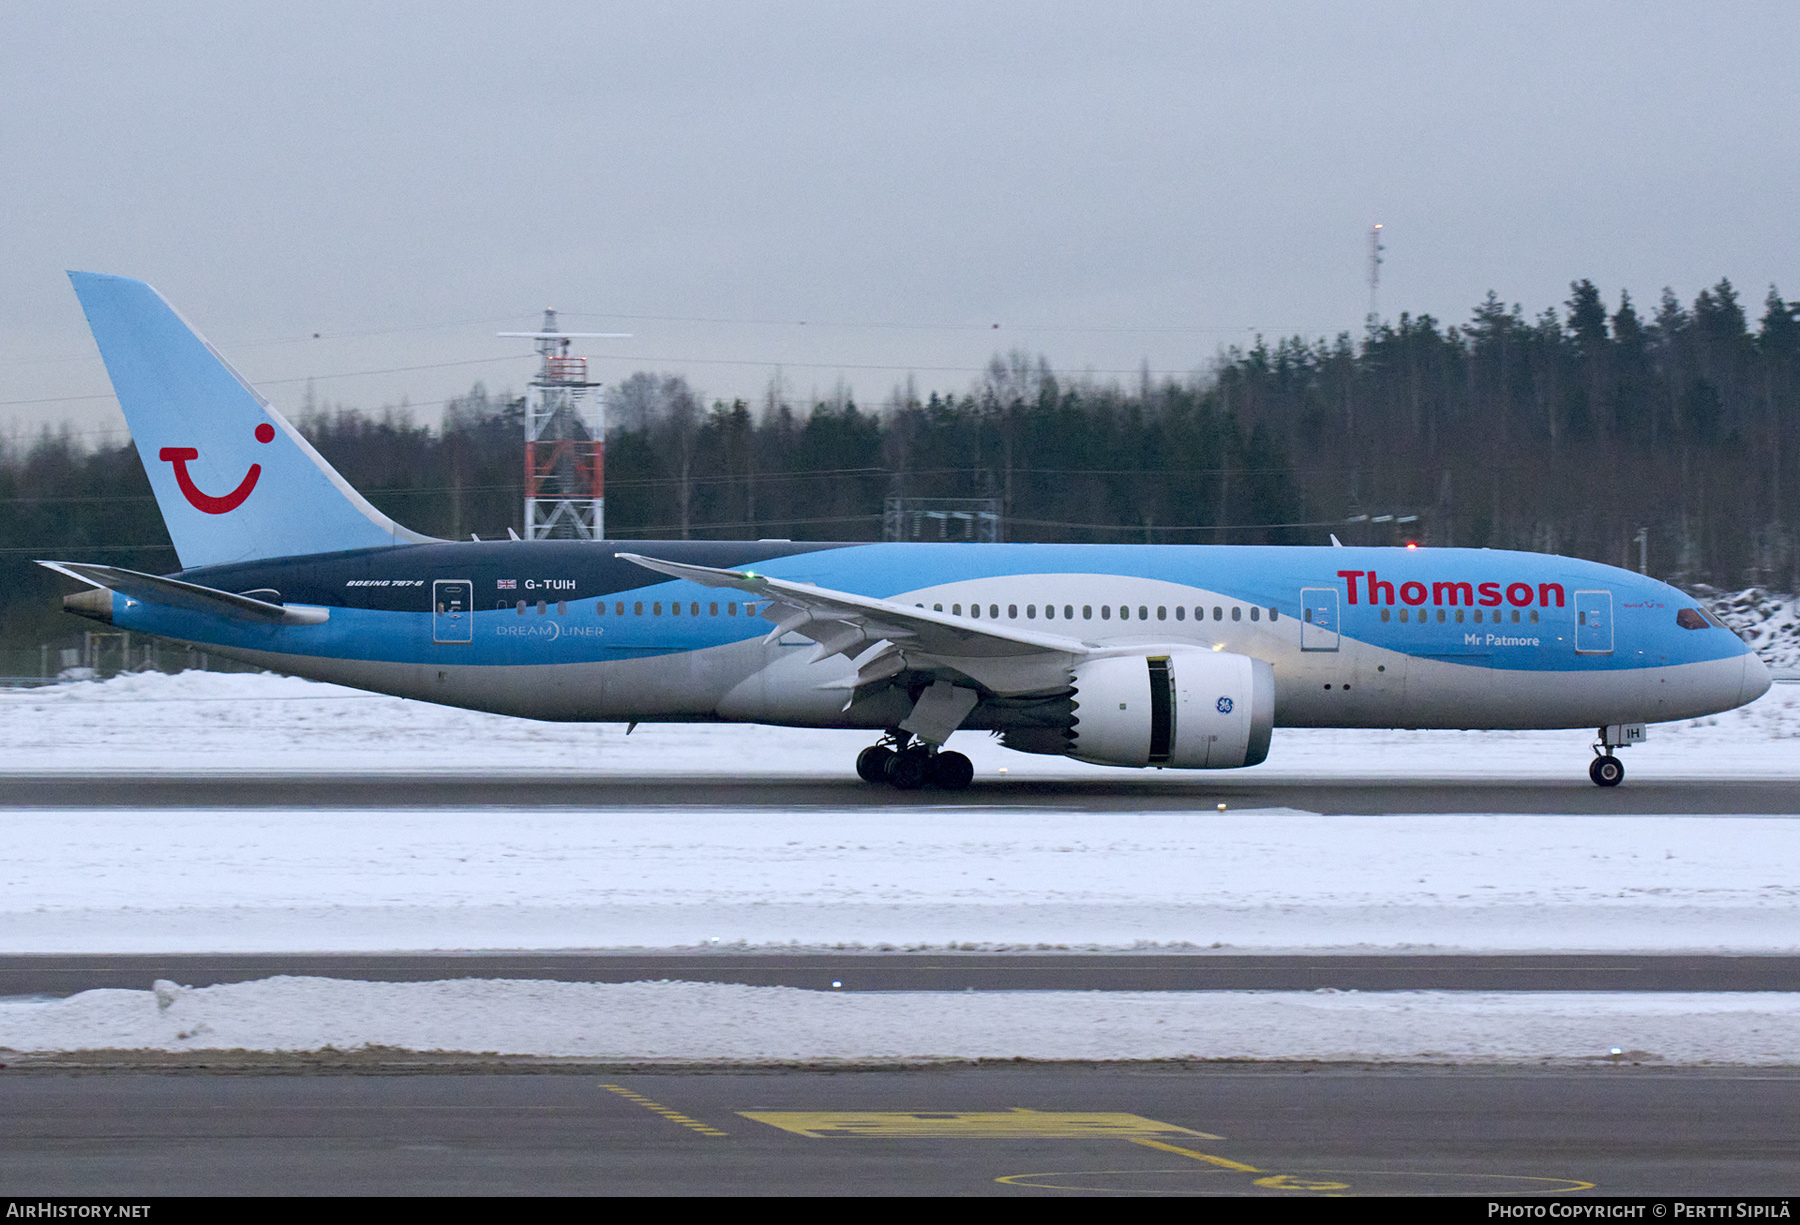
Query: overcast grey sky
x,y
1110,183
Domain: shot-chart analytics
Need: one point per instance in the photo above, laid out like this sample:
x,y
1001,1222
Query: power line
x,y
919,327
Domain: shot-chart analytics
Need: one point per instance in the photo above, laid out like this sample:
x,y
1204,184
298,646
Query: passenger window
x,y
543,607
1477,616
637,609
1162,614
1385,613
600,609
562,608
1106,612
675,608
731,610
1031,611
1534,619
1440,613
712,610
1012,611
1068,612
993,610
1087,612
937,608
521,608
1515,616
1237,614
975,611
1274,613
1143,613
1180,613
1309,615
694,609
1405,615
656,608
1218,613
1459,616
956,610
619,609
1256,614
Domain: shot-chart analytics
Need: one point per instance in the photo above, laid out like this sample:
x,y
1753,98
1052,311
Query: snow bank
x,y
703,1022
209,722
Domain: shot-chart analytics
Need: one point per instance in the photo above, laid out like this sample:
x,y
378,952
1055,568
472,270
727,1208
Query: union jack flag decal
x,y
507,584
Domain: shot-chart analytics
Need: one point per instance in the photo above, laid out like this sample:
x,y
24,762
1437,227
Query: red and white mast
x,y
565,446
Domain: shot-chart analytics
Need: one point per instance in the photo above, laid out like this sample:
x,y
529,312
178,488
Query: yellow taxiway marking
x,y
1015,1124
1227,1162
674,1116
1275,1182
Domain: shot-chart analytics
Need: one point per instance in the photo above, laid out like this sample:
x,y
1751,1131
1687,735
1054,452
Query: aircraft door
x,y
1318,618
1593,623
453,610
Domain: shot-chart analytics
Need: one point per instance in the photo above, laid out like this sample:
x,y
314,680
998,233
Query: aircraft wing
x,y
885,638
155,589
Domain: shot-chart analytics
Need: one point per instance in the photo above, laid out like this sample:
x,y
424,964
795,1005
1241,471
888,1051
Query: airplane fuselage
x,y
1427,638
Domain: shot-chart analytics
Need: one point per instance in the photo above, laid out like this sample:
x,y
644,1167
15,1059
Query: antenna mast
x,y
565,450
1375,250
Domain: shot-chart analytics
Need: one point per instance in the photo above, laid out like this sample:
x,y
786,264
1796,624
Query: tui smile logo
x,y
179,456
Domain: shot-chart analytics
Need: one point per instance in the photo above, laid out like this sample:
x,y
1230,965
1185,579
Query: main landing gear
x,y
900,762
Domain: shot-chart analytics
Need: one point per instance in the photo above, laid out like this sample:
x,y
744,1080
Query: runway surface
x,y
1012,1130
53,975
1136,793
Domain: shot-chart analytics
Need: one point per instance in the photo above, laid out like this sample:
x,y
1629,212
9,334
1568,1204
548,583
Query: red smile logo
x,y
179,456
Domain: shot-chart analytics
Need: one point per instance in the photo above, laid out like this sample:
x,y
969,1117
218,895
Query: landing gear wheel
x,y
871,763
952,771
907,770
1607,771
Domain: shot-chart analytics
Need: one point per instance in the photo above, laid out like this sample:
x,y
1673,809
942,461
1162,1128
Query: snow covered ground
x,y
233,880
969,875
210,722
939,875
709,1022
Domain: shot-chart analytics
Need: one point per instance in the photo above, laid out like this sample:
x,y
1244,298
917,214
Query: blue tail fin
x,y
235,480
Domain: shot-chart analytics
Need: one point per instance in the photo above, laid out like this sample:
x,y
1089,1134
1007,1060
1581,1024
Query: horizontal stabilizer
x,y
173,593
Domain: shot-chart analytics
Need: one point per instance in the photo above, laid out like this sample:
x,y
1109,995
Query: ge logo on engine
x,y
1224,706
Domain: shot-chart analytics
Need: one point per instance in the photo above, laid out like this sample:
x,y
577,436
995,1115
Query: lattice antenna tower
x,y
565,442
1375,250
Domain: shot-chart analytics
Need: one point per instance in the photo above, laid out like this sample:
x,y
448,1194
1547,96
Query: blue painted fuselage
x,y
1356,637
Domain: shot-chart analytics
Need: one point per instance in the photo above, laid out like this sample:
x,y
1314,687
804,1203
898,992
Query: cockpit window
x,y
1690,619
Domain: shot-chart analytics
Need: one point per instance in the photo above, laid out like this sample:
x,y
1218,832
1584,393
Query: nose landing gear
x,y
901,763
1607,770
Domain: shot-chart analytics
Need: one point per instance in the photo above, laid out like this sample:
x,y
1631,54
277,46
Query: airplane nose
x,y
1756,678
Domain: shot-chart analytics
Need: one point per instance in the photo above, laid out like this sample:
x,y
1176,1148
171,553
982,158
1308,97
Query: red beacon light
x,y
1412,544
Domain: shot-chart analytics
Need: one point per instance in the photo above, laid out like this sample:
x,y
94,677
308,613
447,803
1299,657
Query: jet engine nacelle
x,y
1193,710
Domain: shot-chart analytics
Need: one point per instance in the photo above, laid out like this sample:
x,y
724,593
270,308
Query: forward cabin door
x,y
1318,618
1593,623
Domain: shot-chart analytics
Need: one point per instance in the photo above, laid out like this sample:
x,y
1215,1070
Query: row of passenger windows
x,y
1387,615
1124,611
637,608
1106,612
